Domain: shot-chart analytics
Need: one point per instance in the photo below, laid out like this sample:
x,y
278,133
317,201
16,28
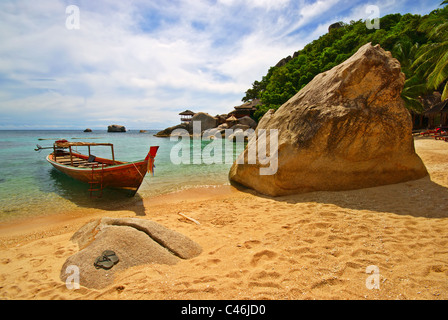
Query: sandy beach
x,y
309,246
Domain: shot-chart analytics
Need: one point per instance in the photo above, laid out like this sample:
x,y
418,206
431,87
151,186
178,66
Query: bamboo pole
x,y
113,155
188,218
71,155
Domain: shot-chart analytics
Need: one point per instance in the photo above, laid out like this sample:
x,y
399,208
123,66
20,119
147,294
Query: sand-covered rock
x,y
135,242
347,129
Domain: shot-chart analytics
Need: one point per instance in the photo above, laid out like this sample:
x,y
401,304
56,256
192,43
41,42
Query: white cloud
x,y
145,61
311,10
267,4
110,65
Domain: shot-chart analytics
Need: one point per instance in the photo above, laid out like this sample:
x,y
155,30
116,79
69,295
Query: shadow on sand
x,y
77,192
417,198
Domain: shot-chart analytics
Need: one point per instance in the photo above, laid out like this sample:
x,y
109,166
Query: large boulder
x,y
207,121
347,129
116,128
238,126
134,241
167,132
248,121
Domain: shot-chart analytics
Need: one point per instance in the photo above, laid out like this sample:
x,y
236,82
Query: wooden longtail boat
x,y
99,172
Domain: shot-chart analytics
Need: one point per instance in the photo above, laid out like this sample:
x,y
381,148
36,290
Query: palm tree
x,y
406,52
433,57
414,87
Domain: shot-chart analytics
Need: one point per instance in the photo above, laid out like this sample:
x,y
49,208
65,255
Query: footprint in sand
x,y
321,225
264,284
60,253
437,268
328,214
235,274
361,252
263,255
37,262
327,282
251,243
205,279
300,250
23,256
208,263
265,275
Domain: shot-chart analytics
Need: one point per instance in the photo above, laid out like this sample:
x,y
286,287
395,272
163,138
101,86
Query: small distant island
x,y
116,128
242,117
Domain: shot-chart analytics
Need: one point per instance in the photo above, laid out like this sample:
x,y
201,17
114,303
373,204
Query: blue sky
x,y
139,63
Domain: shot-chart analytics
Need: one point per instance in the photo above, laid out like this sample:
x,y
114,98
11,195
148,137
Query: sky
x,y
87,64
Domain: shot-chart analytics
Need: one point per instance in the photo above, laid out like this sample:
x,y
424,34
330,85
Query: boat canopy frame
x,y
64,144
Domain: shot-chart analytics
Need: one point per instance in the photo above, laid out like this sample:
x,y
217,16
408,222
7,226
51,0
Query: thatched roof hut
x,y
186,115
232,118
246,109
438,114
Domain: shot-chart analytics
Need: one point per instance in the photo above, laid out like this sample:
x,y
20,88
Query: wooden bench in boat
x,y
78,162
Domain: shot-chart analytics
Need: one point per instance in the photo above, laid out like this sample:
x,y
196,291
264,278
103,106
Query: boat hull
x,y
128,176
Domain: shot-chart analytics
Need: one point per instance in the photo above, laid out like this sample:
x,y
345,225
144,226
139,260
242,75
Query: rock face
x,y
248,121
135,242
335,25
282,62
207,121
116,128
167,132
347,129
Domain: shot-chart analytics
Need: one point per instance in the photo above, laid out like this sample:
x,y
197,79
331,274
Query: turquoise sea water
x,y
29,185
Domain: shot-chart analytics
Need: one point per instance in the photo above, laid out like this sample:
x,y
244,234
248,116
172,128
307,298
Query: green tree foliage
x,y
432,61
419,43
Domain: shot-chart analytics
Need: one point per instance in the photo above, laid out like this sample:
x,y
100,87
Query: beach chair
x,y
427,132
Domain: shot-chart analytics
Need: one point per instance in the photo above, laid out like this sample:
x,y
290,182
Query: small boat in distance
x,y
98,172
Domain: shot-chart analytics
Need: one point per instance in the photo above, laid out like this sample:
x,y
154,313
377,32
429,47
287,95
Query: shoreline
x,y
308,246
29,228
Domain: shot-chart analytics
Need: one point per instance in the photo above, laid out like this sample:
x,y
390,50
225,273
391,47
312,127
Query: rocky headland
x,y
212,125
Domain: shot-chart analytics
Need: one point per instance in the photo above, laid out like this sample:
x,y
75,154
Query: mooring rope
x,y
143,177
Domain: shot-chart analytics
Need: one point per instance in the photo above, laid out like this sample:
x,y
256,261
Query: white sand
x,y
309,246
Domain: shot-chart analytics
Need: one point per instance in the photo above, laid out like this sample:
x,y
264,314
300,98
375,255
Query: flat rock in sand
x,y
135,242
